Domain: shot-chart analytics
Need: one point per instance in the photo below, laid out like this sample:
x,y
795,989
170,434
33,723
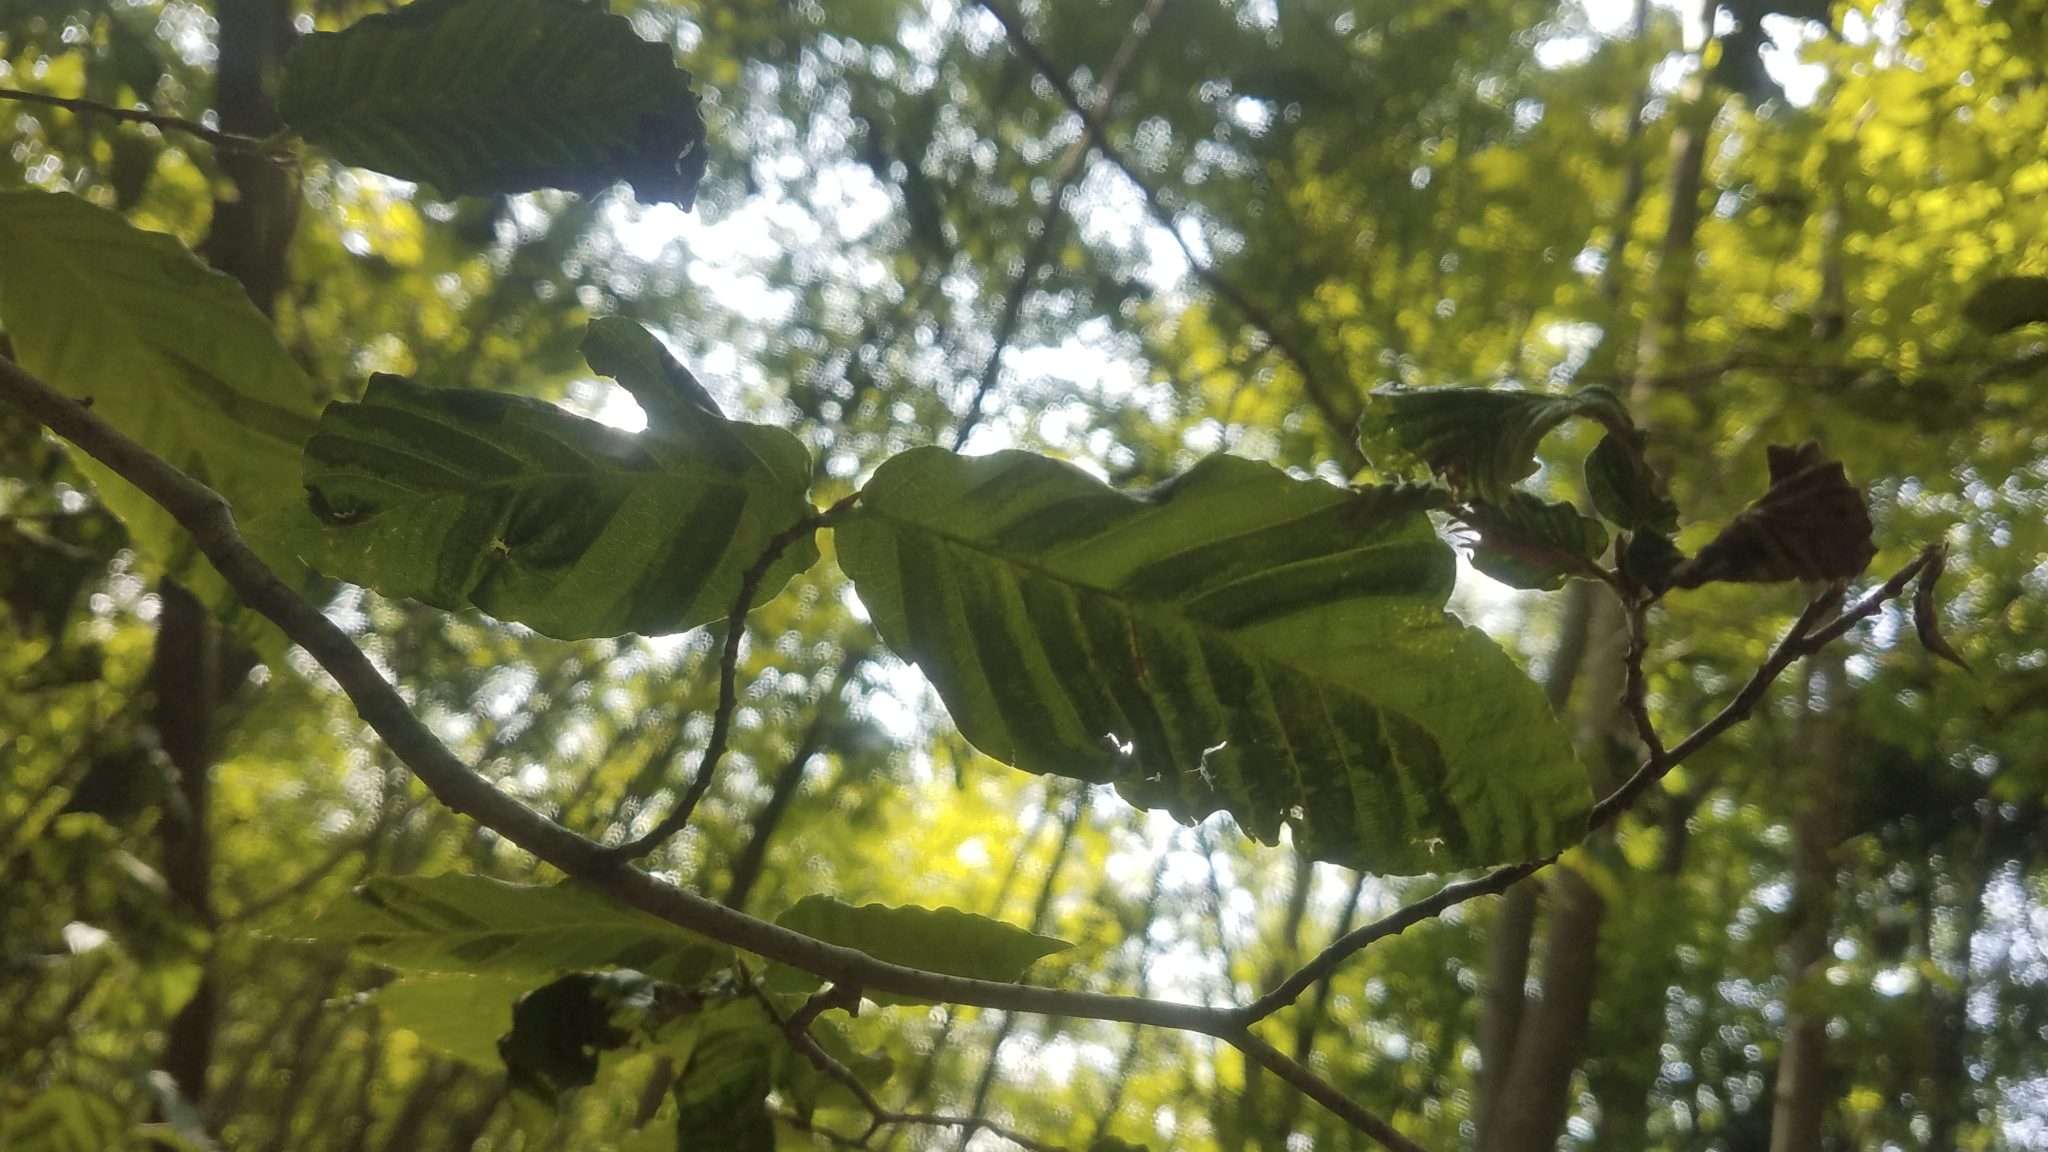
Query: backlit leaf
x,y
465,498
480,97
1478,440
470,924
168,351
1626,490
1236,639
936,939
454,1013
1527,542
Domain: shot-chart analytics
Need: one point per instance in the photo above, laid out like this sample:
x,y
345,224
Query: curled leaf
x,y
1810,524
1927,614
1625,489
1525,542
1478,440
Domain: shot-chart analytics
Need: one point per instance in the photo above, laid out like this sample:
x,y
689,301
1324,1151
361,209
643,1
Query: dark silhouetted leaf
x,y
1649,559
937,939
1527,542
1811,524
1235,639
1927,613
1478,440
2004,303
480,97
560,1029
1626,490
463,498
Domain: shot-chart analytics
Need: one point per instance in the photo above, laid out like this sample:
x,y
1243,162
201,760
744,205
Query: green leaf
x,y
1527,542
665,390
1810,524
62,1118
2004,303
1478,440
481,97
810,1089
1626,490
1236,639
168,351
464,498
722,1096
458,1014
936,939
1112,1144
473,925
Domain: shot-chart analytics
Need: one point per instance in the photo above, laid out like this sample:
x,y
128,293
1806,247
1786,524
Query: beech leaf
x,y
1810,524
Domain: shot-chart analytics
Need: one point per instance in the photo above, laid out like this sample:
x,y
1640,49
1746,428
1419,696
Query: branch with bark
x,y
208,518
1320,394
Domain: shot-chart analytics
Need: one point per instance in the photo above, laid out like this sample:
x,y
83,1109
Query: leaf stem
x,y
1803,639
272,147
204,514
728,678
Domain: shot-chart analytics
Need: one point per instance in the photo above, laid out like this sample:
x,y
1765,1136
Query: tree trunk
x,y
1802,1092
1530,1111
248,240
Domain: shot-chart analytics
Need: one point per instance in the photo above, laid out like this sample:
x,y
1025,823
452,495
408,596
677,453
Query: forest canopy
x,y
1075,574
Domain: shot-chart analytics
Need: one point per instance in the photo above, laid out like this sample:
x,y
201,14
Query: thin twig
x,y
1065,177
1319,1090
728,678
1802,639
204,514
1319,394
227,141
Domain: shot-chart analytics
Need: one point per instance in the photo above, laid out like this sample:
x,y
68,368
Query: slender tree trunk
x,y
248,240
747,864
183,675
1141,981
1500,1014
1040,910
1802,1095
1530,1113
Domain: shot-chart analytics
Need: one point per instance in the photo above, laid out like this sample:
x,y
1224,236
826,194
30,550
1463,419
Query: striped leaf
x,y
1528,542
470,924
1478,440
936,939
170,352
480,97
1234,640
464,498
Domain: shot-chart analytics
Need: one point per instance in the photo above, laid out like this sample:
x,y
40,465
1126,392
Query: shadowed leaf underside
x,y
481,97
463,498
